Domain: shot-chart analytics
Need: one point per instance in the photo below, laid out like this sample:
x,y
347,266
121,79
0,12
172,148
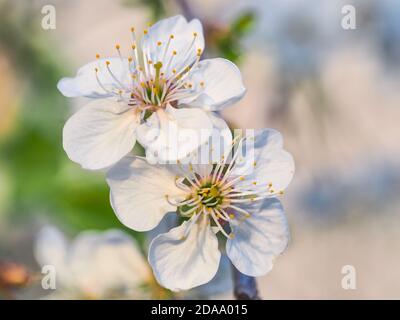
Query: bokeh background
x,y
333,93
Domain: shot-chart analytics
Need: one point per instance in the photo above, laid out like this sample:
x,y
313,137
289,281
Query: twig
x,y
186,9
245,287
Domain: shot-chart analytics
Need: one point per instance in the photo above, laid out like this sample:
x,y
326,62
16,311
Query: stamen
x,y
99,82
178,203
247,215
113,76
220,228
192,221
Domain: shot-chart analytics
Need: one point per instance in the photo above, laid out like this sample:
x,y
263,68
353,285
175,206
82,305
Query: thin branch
x,y
245,287
186,9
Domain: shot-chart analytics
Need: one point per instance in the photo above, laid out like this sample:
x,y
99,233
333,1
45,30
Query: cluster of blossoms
x,y
95,265
164,97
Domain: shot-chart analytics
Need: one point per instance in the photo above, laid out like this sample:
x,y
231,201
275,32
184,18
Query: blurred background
x,y
333,93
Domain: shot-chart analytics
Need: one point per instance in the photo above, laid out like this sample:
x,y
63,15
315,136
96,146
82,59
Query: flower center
x,y
218,195
210,195
155,84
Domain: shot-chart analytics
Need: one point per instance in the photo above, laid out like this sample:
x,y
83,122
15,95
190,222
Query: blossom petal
x,y
259,238
183,42
89,83
264,163
212,151
100,133
103,262
138,193
173,134
217,82
50,247
181,263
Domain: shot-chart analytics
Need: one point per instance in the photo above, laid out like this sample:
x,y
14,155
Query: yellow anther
x,y
158,65
145,31
241,178
194,34
270,185
254,182
143,85
159,43
199,52
202,83
132,29
281,192
117,46
108,62
231,236
173,71
119,91
272,191
232,216
130,59
133,47
171,36
174,53
95,69
150,62
97,56
254,164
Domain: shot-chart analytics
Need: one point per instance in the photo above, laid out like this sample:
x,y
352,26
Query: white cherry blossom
x,y
95,265
161,95
237,197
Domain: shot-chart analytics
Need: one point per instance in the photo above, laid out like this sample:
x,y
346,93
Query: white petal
x,y
86,84
218,83
100,133
138,193
50,247
184,42
219,145
221,140
182,263
108,261
173,134
265,162
258,239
